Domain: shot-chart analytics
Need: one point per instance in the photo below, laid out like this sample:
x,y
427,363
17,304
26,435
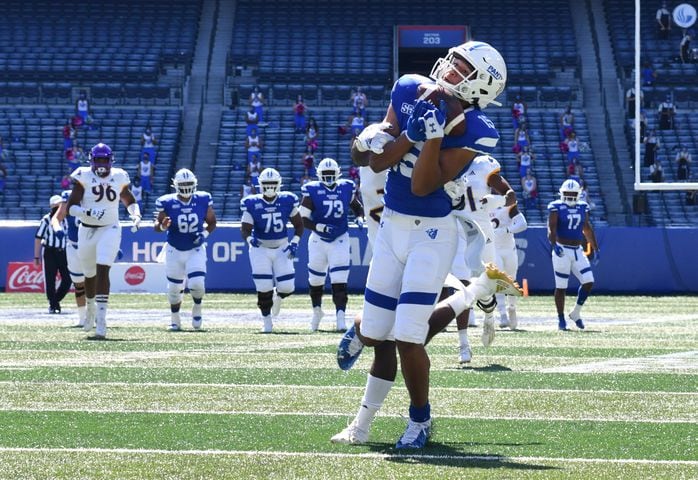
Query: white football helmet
x,y
270,182
328,171
184,182
484,84
570,191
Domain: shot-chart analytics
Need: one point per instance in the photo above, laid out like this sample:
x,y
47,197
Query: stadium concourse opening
x,y
415,60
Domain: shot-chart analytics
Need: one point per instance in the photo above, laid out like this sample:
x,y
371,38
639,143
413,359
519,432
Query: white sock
x,y
82,314
102,302
375,394
576,310
463,337
501,303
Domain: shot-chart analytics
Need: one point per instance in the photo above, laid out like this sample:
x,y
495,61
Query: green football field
x,y
618,400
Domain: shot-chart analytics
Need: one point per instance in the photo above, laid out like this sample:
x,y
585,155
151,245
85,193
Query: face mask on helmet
x,y
328,171
479,87
101,159
270,182
185,183
569,192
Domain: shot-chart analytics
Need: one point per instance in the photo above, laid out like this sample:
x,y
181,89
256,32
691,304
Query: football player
x,y
74,265
94,200
264,219
568,228
417,238
188,218
324,207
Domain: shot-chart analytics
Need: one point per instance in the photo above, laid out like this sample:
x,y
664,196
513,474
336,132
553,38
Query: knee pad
x,y
79,290
488,305
265,301
197,287
340,295
174,292
316,294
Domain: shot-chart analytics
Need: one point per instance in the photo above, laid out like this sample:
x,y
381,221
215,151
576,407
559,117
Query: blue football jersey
x,y
330,205
188,218
480,136
570,220
73,223
269,218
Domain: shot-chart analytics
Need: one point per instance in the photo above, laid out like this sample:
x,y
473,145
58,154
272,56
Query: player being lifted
x,y
324,208
568,228
188,218
94,200
264,219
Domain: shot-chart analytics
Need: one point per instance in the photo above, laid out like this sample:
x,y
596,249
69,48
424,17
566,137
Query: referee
x,y
54,255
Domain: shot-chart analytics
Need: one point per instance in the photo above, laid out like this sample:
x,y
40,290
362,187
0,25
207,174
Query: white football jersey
x,y
372,189
476,187
500,221
102,192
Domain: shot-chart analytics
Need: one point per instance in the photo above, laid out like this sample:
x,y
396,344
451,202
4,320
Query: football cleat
x,y
504,283
341,324
352,435
174,327
577,320
268,325
488,330
101,328
349,349
415,436
276,304
562,325
90,317
466,355
513,320
317,316
503,320
175,322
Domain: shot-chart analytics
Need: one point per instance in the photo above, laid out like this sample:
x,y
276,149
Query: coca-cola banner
x,y
24,277
634,260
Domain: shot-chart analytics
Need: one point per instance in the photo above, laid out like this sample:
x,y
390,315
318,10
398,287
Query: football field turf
x,y
618,400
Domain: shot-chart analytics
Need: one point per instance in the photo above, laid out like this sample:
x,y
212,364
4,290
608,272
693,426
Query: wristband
x,y
296,239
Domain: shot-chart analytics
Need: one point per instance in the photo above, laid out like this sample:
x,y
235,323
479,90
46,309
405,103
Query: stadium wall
x,y
634,260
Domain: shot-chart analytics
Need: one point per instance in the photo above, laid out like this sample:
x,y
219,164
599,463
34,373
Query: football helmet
x,y
485,82
328,171
570,191
101,159
270,181
184,182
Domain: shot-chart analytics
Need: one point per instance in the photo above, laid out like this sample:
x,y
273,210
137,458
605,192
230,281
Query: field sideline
x,y
619,400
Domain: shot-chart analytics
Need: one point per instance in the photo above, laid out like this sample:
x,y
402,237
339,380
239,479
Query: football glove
x,y
291,249
373,138
253,241
360,222
559,251
426,122
489,203
136,219
455,189
596,257
324,228
200,237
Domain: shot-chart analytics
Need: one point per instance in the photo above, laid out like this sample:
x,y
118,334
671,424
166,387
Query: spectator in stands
x,y
305,179
692,197
146,170
254,168
648,74
666,112
311,135
148,142
518,112
82,107
257,101
685,53
137,191
247,188
299,115
521,138
68,135
359,102
652,145
251,119
663,17
656,172
529,186
683,164
75,156
525,159
566,122
630,101
308,161
353,174
253,144
572,148
643,123
64,184
3,151
356,125
584,196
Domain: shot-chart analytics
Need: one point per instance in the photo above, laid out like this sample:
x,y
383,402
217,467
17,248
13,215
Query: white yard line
x,y
686,361
376,456
474,416
340,387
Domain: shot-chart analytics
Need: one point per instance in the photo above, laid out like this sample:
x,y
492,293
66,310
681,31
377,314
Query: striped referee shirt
x,y
48,236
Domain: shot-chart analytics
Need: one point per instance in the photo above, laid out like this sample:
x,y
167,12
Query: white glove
x,y
374,138
85,214
455,189
434,122
136,219
490,203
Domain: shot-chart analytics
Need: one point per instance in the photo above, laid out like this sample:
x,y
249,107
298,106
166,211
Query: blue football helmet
x,y
101,159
